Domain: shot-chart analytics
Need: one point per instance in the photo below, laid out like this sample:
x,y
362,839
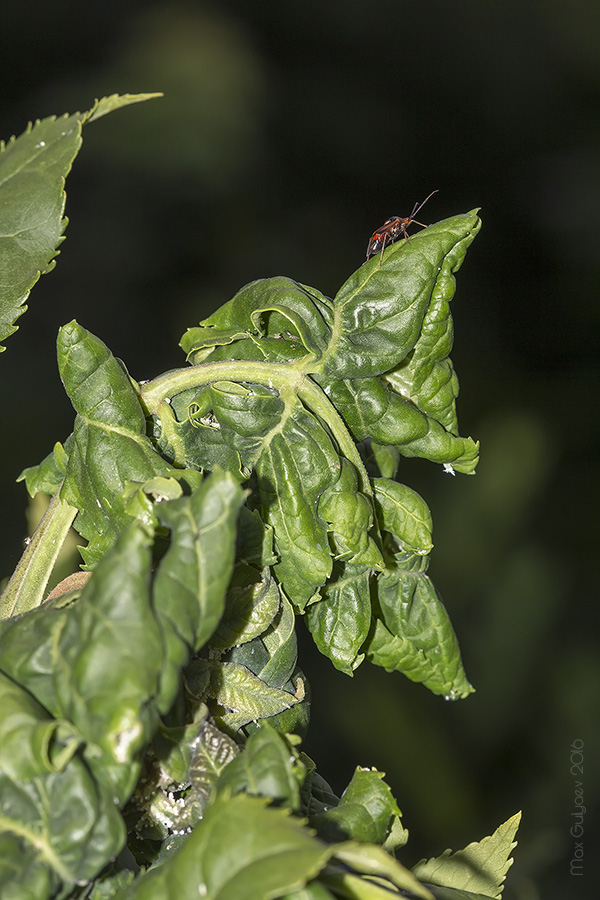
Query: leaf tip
x,y
116,101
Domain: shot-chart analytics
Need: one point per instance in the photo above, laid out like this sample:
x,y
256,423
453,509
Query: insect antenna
x,y
416,208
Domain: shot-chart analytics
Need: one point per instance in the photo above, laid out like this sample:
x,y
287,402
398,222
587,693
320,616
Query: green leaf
x,y
235,687
379,311
295,461
241,850
33,168
385,458
317,794
110,883
400,312
339,621
109,447
438,445
349,514
254,544
480,867
64,820
415,635
278,309
22,872
212,753
37,629
371,409
116,101
251,605
97,383
364,813
281,645
426,376
61,823
268,767
397,836
108,660
32,742
273,654
295,719
315,890
366,859
192,578
174,744
445,893
403,513
272,657
175,788
47,477
436,394
189,436
246,414
294,469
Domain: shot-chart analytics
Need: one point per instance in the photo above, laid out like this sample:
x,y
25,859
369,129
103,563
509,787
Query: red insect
x,y
394,228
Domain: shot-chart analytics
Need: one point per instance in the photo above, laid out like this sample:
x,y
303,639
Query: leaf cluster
x,y
152,710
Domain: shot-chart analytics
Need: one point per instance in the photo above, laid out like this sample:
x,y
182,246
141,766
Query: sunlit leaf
x,y
234,686
480,868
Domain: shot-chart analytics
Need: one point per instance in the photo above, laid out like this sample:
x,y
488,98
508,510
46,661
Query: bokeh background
x,y
288,131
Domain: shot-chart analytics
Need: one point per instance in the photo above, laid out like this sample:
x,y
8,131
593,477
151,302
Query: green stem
x,y
317,401
25,590
275,375
280,376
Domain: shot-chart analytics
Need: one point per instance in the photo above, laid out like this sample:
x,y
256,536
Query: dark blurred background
x,y
289,131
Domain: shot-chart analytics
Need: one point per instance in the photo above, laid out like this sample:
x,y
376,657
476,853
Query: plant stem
x,y
274,375
25,590
282,377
